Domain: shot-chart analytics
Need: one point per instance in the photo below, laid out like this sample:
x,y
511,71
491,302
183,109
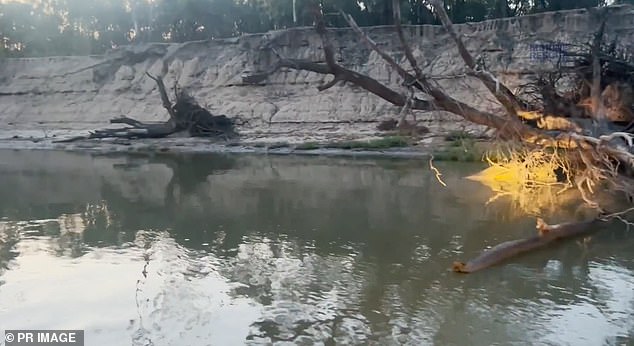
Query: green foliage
x,y
74,27
462,146
458,136
278,145
461,151
308,146
374,144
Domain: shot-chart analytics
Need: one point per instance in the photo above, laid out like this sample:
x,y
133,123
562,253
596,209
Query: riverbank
x,y
457,146
452,146
51,98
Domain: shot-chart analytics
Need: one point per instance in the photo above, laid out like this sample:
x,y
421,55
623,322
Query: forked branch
x,y
167,104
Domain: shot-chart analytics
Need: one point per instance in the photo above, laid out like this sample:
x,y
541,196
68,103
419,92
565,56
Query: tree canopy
x,y
79,27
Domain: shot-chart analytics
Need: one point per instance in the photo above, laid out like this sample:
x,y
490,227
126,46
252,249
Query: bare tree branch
x,y
595,93
329,84
340,73
512,128
396,8
407,77
320,27
128,121
499,90
164,98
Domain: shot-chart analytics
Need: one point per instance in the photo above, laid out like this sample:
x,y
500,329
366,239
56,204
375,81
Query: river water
x,y
232,250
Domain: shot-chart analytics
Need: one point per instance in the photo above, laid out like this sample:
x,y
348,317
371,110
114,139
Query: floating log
x,y
546,235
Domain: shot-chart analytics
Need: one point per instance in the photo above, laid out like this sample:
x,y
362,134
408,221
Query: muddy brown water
x,y
232,250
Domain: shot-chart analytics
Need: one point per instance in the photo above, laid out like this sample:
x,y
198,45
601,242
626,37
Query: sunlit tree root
x,y
534,178
546,235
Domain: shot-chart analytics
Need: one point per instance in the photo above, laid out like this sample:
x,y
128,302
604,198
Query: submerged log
x,y
546,235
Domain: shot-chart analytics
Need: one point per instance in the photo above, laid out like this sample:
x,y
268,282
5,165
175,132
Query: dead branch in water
x,y
436,171
546,235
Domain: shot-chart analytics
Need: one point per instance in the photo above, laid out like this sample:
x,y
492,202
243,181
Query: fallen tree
x,y
589,154
185,115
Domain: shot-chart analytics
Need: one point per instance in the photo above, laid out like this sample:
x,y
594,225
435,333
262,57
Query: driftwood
x,y
546,235
184,115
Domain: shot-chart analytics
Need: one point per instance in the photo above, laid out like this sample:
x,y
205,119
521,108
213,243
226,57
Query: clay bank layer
x,y
42,98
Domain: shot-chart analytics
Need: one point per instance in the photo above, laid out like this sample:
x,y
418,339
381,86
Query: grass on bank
x,y
462,147
373,144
